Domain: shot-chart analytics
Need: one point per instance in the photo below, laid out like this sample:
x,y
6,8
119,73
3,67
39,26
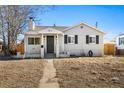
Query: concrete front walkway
x,y
48,80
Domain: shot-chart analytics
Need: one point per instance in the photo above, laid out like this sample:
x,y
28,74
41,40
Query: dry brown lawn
x,y
92,72
21,73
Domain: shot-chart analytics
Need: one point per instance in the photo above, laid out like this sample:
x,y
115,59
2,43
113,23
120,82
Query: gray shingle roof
x,y
60,28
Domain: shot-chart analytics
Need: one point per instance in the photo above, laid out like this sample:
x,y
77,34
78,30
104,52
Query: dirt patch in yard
x,y
21,73
88,72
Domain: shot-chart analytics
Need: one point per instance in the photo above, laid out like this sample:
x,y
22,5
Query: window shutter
x,y
65,39
87,39
97,39
76,39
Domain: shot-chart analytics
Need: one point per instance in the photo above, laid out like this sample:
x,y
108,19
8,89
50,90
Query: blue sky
x,y
110,18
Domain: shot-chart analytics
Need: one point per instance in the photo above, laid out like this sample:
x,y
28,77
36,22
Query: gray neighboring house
x,y
120,44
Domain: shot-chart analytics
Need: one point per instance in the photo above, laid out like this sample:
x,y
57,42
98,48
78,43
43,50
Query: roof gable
x,y
45,31
85,25
59,29
50,30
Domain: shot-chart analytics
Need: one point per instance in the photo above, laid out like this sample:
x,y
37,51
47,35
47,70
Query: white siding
x,y
82,47
61,43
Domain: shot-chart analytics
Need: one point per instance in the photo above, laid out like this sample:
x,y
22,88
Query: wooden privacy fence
x,y
109,49
20,48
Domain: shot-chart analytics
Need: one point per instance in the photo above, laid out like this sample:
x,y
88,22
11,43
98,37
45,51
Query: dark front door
x,y
50,44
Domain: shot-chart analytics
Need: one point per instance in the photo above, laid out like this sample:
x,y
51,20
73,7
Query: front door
x,y
50,44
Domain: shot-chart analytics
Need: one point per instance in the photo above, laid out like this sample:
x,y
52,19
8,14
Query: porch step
x,y
50,55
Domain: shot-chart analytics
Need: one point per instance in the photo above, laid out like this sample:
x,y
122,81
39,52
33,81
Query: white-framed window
x,y
92,39
121,41
71,39
33,41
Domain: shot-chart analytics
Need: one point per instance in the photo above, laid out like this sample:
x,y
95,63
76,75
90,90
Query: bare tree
x,y
13,21
2,29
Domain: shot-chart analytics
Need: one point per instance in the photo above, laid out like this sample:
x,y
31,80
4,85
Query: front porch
x,y
46,43
50,44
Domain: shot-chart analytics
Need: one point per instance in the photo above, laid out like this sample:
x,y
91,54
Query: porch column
x,y
24,46
45,50
63,42
25,49
42,46
57,46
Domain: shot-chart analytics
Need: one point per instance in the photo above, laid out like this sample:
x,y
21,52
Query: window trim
x,y
34,42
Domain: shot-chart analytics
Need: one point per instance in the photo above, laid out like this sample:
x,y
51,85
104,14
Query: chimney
x,y
31,24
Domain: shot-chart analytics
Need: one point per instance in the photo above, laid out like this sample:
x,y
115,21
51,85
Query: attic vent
x,y
81,27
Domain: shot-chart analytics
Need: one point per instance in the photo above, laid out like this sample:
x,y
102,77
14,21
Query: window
x,y
71,39
37,41
33,41
92,39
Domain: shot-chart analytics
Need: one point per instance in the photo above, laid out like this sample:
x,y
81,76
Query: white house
x,y
120,43
63,41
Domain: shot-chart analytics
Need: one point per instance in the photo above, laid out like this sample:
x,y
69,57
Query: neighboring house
x,y
77,40
120,44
